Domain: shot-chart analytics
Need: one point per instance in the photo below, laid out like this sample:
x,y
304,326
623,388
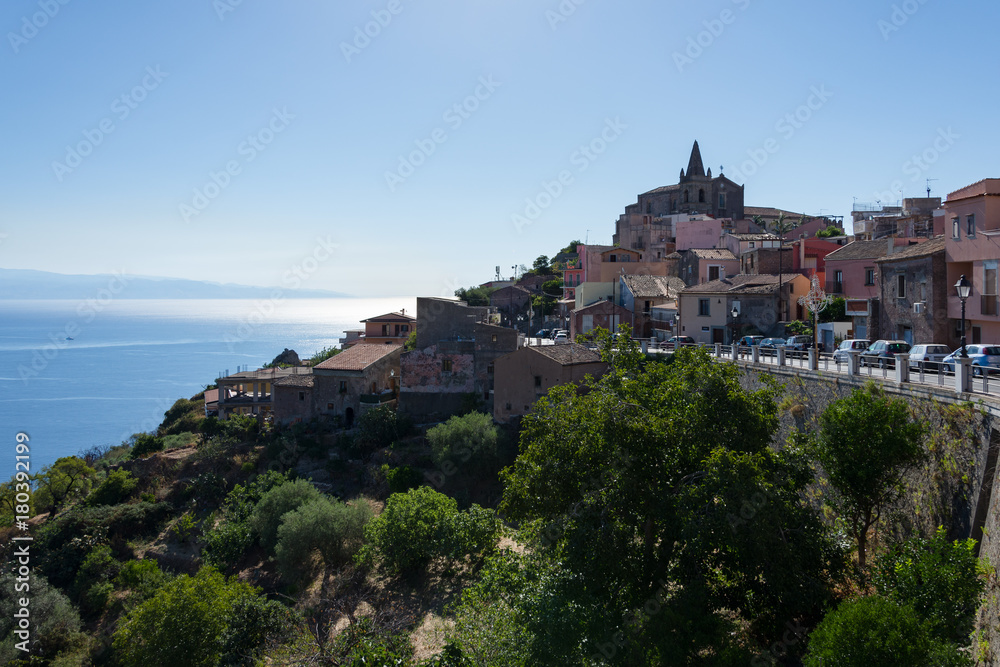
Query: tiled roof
x,y
742,284
296,381
568,353
769,212
712,253
211,396
391,317
924,249
652,286
358,358
859,250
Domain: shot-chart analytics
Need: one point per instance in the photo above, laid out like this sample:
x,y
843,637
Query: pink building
x,y
699,233
972,249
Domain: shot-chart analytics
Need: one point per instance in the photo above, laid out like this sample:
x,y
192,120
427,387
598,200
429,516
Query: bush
x,y
334,529
380,427
55,624
362,643
143,578
401,479
92,585
182,416
939,579
227,543
116,488
277,502
875,631
422,524
469,440
144,444
201,620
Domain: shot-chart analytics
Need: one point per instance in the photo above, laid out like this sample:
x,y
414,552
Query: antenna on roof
x,y
929,186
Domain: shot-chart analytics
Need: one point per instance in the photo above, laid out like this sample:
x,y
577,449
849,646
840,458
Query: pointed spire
x,y
695,166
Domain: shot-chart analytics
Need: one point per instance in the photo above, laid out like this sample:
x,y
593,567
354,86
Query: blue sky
x,y
255,135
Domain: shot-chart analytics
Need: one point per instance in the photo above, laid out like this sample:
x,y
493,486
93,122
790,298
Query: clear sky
x,y
238,140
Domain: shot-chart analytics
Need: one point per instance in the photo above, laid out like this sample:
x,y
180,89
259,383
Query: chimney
x,y
892,244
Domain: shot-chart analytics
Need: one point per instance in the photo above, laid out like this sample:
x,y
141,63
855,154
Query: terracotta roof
x,y
620,249
770,212
652,286
673,255
211,396
764,283
712,253
296,381
755,237
859,250
935,245
391,317
359,357
568,354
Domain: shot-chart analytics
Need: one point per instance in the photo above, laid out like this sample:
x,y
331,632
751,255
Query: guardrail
x,y
962,380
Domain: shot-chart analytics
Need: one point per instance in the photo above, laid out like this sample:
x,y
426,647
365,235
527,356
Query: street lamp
x,y
964,288
735,312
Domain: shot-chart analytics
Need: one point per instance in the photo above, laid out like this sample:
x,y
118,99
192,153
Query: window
x,y
647,307
838,281
713,273
649,207
686,196
343,386
722,201
385,329
613,258
538,380
704,307
954,227
446,365
302,395
901,286
869,276
493,338
489,369
701,196
752,244
970,228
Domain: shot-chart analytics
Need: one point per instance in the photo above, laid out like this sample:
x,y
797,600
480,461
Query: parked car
x,y
674,342
750,341
929,354
544,333
840,355
985,359
561,337
769,346
799,343
882,353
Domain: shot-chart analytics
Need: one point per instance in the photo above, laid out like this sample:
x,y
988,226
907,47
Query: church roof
x,y
695,165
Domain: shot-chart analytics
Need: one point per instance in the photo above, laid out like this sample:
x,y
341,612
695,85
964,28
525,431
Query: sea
x,y
75,374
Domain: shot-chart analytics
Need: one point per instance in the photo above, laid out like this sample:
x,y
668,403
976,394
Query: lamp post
x,y
815,301
735,312
964,288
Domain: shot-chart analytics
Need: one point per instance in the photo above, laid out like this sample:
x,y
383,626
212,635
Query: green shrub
x,y
939,579
144,444
176,440
363,643
92,585
142,578
55,624
182,416
116,488
380,427
401,479
226,545
422,524
184,527
469,441
875,631
334,529
198,621
277,502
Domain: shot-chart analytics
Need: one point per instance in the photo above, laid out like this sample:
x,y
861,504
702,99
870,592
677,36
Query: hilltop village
x,y
688,260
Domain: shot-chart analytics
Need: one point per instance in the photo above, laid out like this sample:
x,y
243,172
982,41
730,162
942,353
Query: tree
x,y
638,488
273,505
475,296
200,620
333,529
939,579
836,311
55,623
831,230
876,631
541,265
571,248
116,488
469,439
67,479
866,443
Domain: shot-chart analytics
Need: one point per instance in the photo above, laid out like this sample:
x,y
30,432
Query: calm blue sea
x,y
129,360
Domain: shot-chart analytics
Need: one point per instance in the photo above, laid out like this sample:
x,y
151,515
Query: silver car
x,y
929,354
858,344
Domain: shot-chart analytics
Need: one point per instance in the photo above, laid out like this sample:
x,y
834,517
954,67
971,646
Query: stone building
x,y
603,314
915,290
452,367
701,265
522,377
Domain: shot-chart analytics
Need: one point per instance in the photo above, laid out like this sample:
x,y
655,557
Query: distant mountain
x,y
28,284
